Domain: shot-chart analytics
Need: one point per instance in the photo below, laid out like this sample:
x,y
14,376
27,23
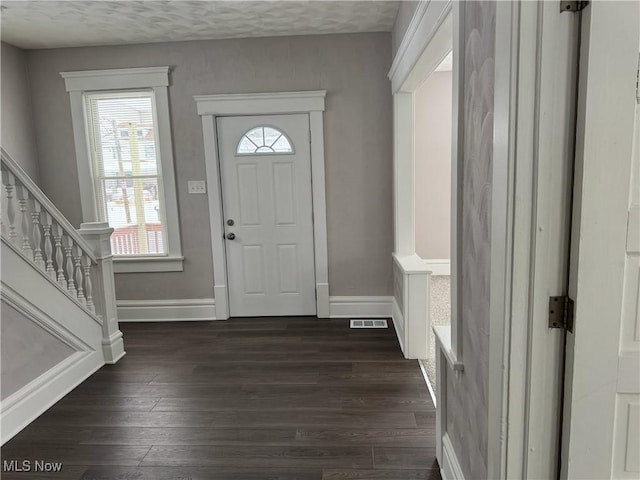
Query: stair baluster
x,y
9,181
79,262
79,274
37,235
23,200
57,235
48,244
88,286
69,267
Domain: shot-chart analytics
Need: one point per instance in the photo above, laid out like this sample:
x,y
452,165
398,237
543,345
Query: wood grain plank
x,y
403,437
404,457
199,473
357,474
267,457
193,436
247,399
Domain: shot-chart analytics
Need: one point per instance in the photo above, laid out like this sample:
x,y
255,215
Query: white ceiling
x,y
71,23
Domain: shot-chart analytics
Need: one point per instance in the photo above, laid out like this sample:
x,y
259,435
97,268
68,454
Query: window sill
x,y
154,264
443,342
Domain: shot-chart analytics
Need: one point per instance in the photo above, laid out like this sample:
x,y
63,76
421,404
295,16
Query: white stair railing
x,y
78,261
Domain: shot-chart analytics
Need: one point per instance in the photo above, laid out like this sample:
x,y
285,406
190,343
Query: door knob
x,y
231,236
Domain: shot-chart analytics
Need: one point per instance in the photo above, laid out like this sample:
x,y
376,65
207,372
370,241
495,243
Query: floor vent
x,y
365,323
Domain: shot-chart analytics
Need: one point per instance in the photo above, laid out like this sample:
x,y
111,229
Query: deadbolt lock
x,y
230,222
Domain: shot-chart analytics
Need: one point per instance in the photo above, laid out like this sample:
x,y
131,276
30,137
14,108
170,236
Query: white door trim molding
x,y
425,23
433,33
311,103
527,237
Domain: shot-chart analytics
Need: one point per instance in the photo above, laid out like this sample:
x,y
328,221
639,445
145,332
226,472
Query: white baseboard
x,y
113,348
205,309
398,323
24,406
425,376
439,267
450,468
166,310
359,307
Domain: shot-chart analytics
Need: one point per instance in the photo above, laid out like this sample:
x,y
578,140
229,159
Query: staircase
x,y
59,317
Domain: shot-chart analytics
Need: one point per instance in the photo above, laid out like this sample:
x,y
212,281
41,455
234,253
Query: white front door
x,y
601,434
265,164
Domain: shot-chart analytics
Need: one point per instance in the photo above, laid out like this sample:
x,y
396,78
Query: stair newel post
x,y
48,244
37,235
23,200
98,234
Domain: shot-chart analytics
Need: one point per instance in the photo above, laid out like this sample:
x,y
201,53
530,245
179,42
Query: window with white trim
x,y
126,173
125,163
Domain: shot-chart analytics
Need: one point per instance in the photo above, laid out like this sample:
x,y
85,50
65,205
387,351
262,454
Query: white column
x,y
98,234
403,174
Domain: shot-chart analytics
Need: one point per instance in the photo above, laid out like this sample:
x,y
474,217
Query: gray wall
x,y
405,13
432,146
17,133
467,406
358,142
26,350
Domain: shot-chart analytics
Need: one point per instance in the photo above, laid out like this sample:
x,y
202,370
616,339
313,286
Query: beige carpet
x,y
440,308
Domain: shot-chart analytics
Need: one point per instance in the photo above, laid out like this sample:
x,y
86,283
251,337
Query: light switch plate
x,y
197,186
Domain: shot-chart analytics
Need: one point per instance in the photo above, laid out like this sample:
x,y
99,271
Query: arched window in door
x,y
264,140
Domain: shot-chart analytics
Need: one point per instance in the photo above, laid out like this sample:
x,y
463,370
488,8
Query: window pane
x,y
133,210
270,136
282,145
256,136
264,140
246,146
126,138
123,141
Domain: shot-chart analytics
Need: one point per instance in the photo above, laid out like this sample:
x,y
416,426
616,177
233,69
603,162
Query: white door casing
x,y
267,196
534,115
210,107
554,157
601,428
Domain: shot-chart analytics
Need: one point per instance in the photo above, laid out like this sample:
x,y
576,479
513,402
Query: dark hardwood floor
x,y
253,398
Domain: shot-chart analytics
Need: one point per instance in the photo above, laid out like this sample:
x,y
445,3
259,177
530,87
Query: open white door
x,y
601,427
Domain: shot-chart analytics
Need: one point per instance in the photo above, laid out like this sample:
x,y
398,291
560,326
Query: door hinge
x,y
561,312
573,6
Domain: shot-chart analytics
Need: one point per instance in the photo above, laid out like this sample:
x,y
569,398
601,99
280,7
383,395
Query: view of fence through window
x,y
123,142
